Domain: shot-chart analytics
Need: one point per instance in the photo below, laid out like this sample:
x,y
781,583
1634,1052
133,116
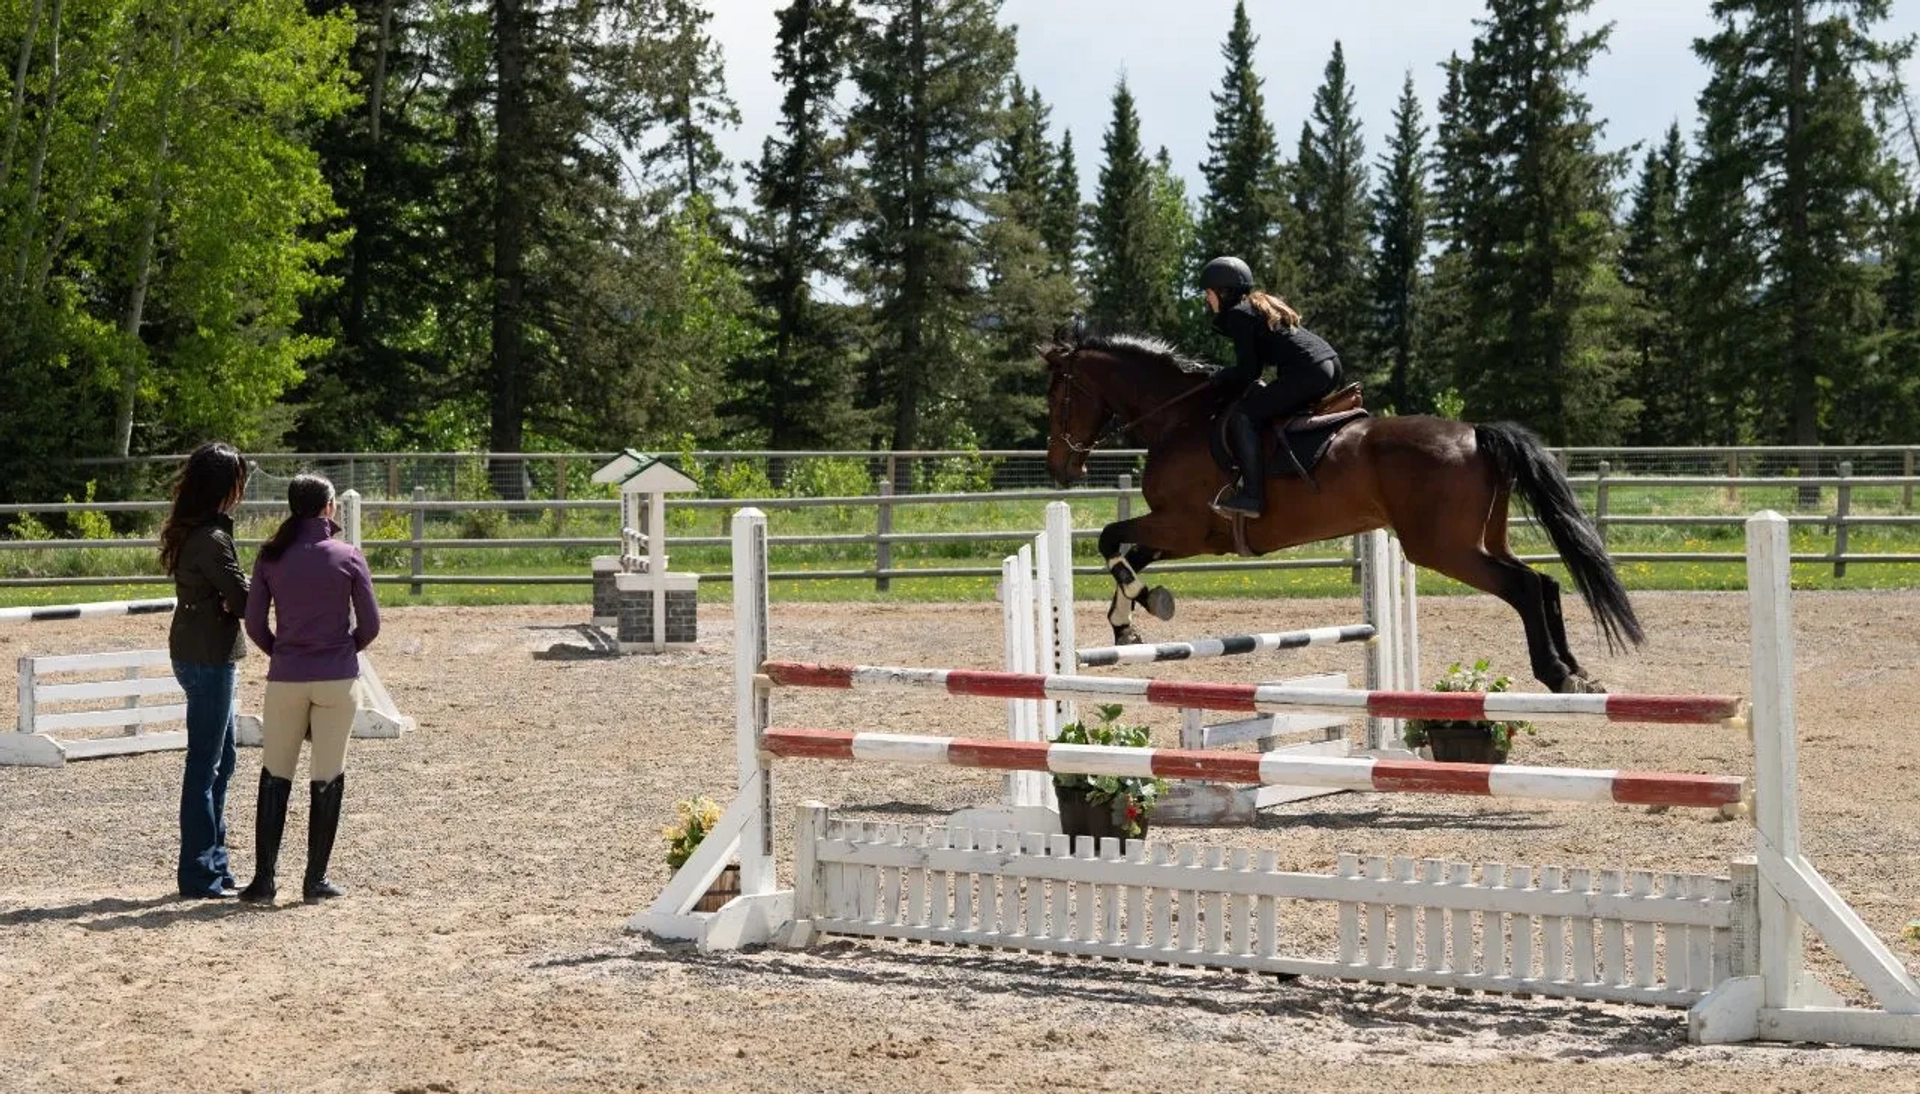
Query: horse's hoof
x,y
1158,601
1128,636
1578,684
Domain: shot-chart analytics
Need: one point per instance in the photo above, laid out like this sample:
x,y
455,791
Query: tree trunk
x,y
30,218
19,107
914,288
131,319
358,274
510,230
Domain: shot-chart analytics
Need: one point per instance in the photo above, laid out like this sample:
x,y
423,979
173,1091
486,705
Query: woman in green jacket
x,y
210,599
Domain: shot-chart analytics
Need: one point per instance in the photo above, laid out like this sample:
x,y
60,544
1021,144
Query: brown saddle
x,y
1294,445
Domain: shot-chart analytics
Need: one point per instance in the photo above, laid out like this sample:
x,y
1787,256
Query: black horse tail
x,y
1531,473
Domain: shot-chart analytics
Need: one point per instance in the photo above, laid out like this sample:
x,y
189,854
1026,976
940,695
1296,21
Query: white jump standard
x,y
1729,948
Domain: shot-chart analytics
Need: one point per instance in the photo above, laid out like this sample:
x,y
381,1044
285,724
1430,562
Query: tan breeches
x,y
293,710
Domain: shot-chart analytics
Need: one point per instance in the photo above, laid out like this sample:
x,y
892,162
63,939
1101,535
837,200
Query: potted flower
x,y
1473,742
695,817
1106,805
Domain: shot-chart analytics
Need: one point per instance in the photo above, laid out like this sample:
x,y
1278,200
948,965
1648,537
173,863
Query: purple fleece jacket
x,y
310,587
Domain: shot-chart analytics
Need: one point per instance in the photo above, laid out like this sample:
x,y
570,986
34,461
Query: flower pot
x,y
1464,743
1081,817
724,888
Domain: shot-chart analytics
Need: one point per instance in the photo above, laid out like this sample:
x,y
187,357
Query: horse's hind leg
x,y
1549,594
1524,590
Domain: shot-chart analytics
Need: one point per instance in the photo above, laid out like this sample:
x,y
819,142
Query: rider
x,y
1265,331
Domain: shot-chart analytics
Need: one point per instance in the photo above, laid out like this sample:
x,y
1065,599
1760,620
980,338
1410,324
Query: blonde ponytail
x,y
1277,312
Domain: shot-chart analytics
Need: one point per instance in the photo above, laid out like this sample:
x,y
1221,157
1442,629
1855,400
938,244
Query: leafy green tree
x,y
1400,224
155,195
1329,186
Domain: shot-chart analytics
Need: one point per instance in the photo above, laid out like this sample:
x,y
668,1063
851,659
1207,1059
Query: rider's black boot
x,y
1244,438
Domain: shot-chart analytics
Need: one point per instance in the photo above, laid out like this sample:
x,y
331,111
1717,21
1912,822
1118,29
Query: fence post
x,y
393,477
560,494
883,527
350,516
1600,499
1906,468
1733,472
419,533
1124,509
1842,504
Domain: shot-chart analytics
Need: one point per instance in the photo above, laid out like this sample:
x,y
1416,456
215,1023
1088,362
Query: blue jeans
x,y
203,786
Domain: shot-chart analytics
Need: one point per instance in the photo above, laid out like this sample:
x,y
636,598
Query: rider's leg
x,y
1243,437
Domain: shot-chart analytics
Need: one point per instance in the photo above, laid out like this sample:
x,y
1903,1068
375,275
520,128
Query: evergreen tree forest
x,y
359,225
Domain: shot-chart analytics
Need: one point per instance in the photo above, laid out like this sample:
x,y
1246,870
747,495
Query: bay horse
x,y
1442,486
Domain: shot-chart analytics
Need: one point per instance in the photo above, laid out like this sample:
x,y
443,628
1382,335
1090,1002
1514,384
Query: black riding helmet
x,y
1229,277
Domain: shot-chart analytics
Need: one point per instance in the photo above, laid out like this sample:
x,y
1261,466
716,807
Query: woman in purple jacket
x,y
313,671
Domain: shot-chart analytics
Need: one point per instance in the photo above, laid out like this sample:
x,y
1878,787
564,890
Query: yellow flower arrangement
x,y
697,816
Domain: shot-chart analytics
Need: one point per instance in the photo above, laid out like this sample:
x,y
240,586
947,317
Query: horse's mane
x,y
1142,345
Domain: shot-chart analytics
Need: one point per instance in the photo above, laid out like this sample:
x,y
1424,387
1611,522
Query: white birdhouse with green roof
x,y
633,590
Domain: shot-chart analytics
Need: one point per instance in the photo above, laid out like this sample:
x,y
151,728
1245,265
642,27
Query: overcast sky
x,y
1074,50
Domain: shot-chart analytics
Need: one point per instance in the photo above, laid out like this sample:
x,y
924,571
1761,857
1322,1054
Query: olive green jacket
x,y
210,593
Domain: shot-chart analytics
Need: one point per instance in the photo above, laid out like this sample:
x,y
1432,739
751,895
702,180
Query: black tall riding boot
x,y
1244,438
322,825
269,825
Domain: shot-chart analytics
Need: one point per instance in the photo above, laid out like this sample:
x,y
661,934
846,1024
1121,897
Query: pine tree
x,y
799,392
1653,264
931,76
1785,129
688,100
1526,194
1126,269
1238,212
1330,195
1400,224
1029,287
1062,217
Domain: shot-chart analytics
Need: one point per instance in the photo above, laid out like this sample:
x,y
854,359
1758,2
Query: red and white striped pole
x,y
1267,769
1268,698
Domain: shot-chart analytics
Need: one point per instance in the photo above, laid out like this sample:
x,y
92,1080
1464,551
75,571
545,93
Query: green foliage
x,y
1479,677
932,77
1141,233
1136,795
1238,210
693,819
1329,188
1525,197
1781,207
1400,206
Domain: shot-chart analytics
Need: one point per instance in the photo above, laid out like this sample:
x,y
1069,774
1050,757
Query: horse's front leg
x,y
1125,559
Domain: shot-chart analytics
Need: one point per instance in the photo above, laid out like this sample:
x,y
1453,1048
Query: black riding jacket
x,y
1256,345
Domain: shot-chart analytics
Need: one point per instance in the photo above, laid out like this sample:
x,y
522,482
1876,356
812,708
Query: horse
x,y
1442,486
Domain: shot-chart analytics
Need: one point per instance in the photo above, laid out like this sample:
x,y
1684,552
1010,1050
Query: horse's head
x,y
1075,413
1143,381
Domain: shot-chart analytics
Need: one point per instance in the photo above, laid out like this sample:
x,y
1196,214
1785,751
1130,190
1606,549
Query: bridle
x,y
1066,413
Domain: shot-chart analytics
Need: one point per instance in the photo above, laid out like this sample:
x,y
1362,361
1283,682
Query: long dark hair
x,y
213,475
307,497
